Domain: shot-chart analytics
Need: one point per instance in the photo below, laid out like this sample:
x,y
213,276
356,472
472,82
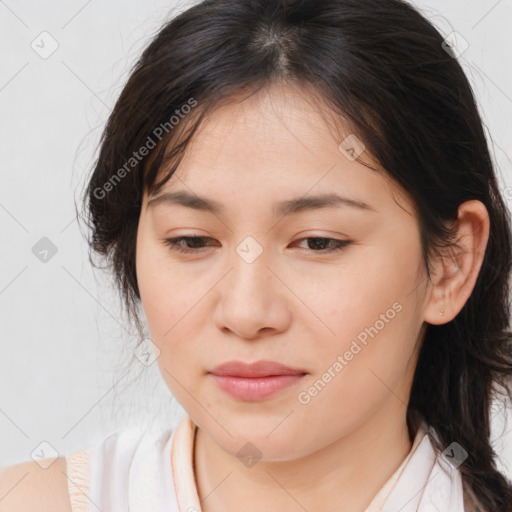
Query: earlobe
x,y
444,290
459,268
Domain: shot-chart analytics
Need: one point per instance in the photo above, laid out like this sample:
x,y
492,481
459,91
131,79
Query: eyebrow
x,y
280,209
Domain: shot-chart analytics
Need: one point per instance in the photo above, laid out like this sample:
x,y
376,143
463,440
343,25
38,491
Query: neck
x,y
350,471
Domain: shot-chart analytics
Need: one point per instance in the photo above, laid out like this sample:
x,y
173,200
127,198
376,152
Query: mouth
x,y
256,381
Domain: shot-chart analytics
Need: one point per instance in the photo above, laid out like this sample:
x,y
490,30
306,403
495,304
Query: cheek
x,y
171,301
373,319
163,290
360,371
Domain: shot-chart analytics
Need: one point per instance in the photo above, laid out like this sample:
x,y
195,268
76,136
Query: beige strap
x,y
78,479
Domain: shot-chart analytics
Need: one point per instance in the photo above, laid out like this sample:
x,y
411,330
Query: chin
x,y
264,438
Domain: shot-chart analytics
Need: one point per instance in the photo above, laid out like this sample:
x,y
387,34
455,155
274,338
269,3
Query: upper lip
x,y
257,369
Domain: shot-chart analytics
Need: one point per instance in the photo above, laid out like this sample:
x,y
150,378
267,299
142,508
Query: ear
x,y
456,269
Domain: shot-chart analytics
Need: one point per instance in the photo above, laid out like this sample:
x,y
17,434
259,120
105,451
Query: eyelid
x,y
173,244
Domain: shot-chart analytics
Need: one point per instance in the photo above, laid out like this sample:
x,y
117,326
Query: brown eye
x,y
197,243
320,242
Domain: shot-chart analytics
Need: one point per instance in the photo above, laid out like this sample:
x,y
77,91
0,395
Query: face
x,y
332,292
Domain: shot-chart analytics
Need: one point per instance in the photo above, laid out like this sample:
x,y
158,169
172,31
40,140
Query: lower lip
x,y
256,388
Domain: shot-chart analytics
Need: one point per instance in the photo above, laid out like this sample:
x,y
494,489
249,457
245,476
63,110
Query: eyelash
x,y
173,243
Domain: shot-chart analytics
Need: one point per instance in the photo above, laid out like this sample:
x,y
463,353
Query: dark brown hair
x,y
386,69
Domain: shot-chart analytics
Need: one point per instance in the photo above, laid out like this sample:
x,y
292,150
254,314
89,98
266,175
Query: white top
x,y
152,471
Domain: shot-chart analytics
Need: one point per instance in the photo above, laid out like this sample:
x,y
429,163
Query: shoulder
x,y
111,459
29,486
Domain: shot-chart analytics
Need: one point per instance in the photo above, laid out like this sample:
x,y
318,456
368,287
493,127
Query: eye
x,y
336,245
197,243
175,243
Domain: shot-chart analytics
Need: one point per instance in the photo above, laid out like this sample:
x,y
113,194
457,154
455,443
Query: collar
x,y
422,480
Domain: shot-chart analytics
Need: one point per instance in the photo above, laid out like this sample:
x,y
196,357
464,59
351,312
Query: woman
x,y
299,196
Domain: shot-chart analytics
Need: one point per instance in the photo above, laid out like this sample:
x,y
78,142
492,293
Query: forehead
x,y
275,119
280,140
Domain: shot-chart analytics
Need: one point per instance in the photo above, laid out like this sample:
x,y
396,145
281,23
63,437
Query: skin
x,y
293,305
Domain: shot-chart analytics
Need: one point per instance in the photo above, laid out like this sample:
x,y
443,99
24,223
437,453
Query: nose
x,y
254,300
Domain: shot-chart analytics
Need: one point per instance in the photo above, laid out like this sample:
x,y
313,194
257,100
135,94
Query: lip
x,y
255,381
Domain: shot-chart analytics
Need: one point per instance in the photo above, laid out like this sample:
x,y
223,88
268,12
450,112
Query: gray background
x,y
67,373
